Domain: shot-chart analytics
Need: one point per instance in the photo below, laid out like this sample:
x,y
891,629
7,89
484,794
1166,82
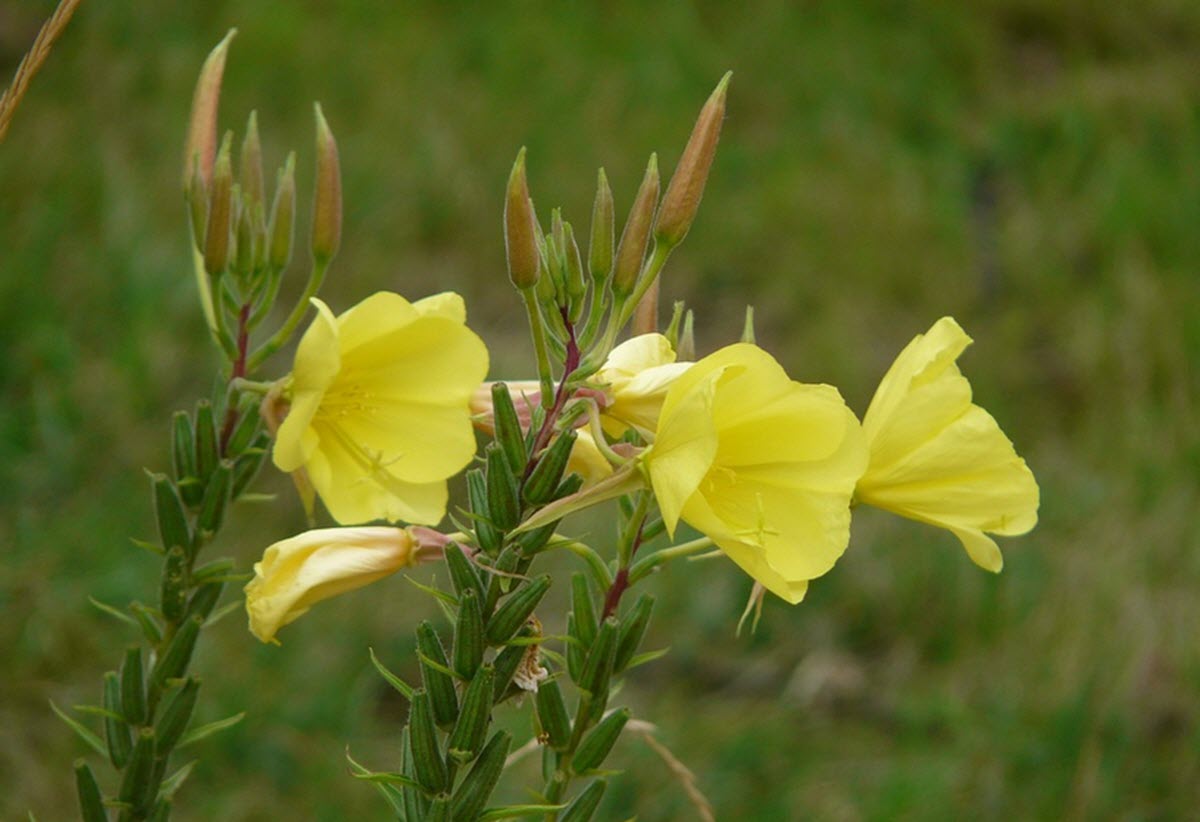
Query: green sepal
x,y
428,765
515,611
584,610
486,535
552,714
508,427
174,660
133,686
216,500
246,430
600,740
138,784
176,714
438,684
172,596
168,510
204,600
632,631
206,441
477,786
503,492
462,570
468,636
91,801
472,724
583,808
543,481
597,667
116,729
183,457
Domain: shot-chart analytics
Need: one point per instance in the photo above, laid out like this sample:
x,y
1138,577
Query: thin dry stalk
x,y
686,778
32,61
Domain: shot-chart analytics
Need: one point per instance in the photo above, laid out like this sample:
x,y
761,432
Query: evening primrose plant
x,y
721,454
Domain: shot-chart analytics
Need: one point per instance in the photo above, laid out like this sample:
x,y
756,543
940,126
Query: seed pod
x,y
583,609
247,466
584,806
576,651
501,578
520,240
634,239
246,430
327,203
138,783
91,802
552,713
508,427
515,611
462,571
503,492
133,686
472,722
597,668
486,535
173,590
428,765
413,799
283,216
480,781
168,510
216,500
206,440
162,811
599,741
546,475
468,636
183,457
116,730
174,660
600,250
176,714
439,809
439,685
505,665
633,628
204,600
530,542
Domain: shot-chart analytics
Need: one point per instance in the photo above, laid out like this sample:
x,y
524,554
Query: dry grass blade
x,y
686,778
32,61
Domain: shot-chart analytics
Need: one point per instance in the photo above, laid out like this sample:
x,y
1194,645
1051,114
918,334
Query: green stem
x,y
280,338
645,566
650,272
545,377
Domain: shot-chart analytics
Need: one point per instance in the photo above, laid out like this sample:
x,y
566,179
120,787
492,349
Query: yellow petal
x,y
447,305
297,573
317,356
586,460
683,449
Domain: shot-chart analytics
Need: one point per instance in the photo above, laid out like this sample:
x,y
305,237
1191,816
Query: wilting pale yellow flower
x,y
938,458
297,573
379,417
636,377
762,465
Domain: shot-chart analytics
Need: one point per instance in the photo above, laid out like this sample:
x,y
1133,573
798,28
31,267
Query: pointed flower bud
x,y
201,142
283,216
520,242
635,237
682,200
220,212
600,251
250,168
327,205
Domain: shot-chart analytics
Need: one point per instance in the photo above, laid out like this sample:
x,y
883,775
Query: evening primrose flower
x,y
636,377
297,573
379,417
938,458
762,465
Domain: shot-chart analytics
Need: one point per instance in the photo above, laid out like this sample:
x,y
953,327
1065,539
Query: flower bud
x,y
201,145
682,199
283,216
520,242
634,239
576,282
250,168
645,316
220,212
600,250
327,204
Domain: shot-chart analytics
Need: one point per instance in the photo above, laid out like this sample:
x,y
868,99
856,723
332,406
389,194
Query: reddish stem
x,y
570,363
239,370
621,581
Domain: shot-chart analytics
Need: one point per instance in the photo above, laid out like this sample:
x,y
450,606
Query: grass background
x,y
1031,167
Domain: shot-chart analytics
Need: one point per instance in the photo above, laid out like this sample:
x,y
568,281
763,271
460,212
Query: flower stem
x,y
280,338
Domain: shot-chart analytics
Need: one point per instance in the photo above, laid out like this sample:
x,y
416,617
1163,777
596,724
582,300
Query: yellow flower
x,y
379,417
762,465
297,573
636,376
938,458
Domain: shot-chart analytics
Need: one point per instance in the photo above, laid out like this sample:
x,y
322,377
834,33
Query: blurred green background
x,y
1032,168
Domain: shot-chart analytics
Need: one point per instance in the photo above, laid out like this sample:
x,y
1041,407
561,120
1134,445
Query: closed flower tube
x,y
379,416
938,458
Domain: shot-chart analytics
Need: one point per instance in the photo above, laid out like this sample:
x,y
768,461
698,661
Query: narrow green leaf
x,y
208,729
518,811
113,612
396,682
175,781
86,735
